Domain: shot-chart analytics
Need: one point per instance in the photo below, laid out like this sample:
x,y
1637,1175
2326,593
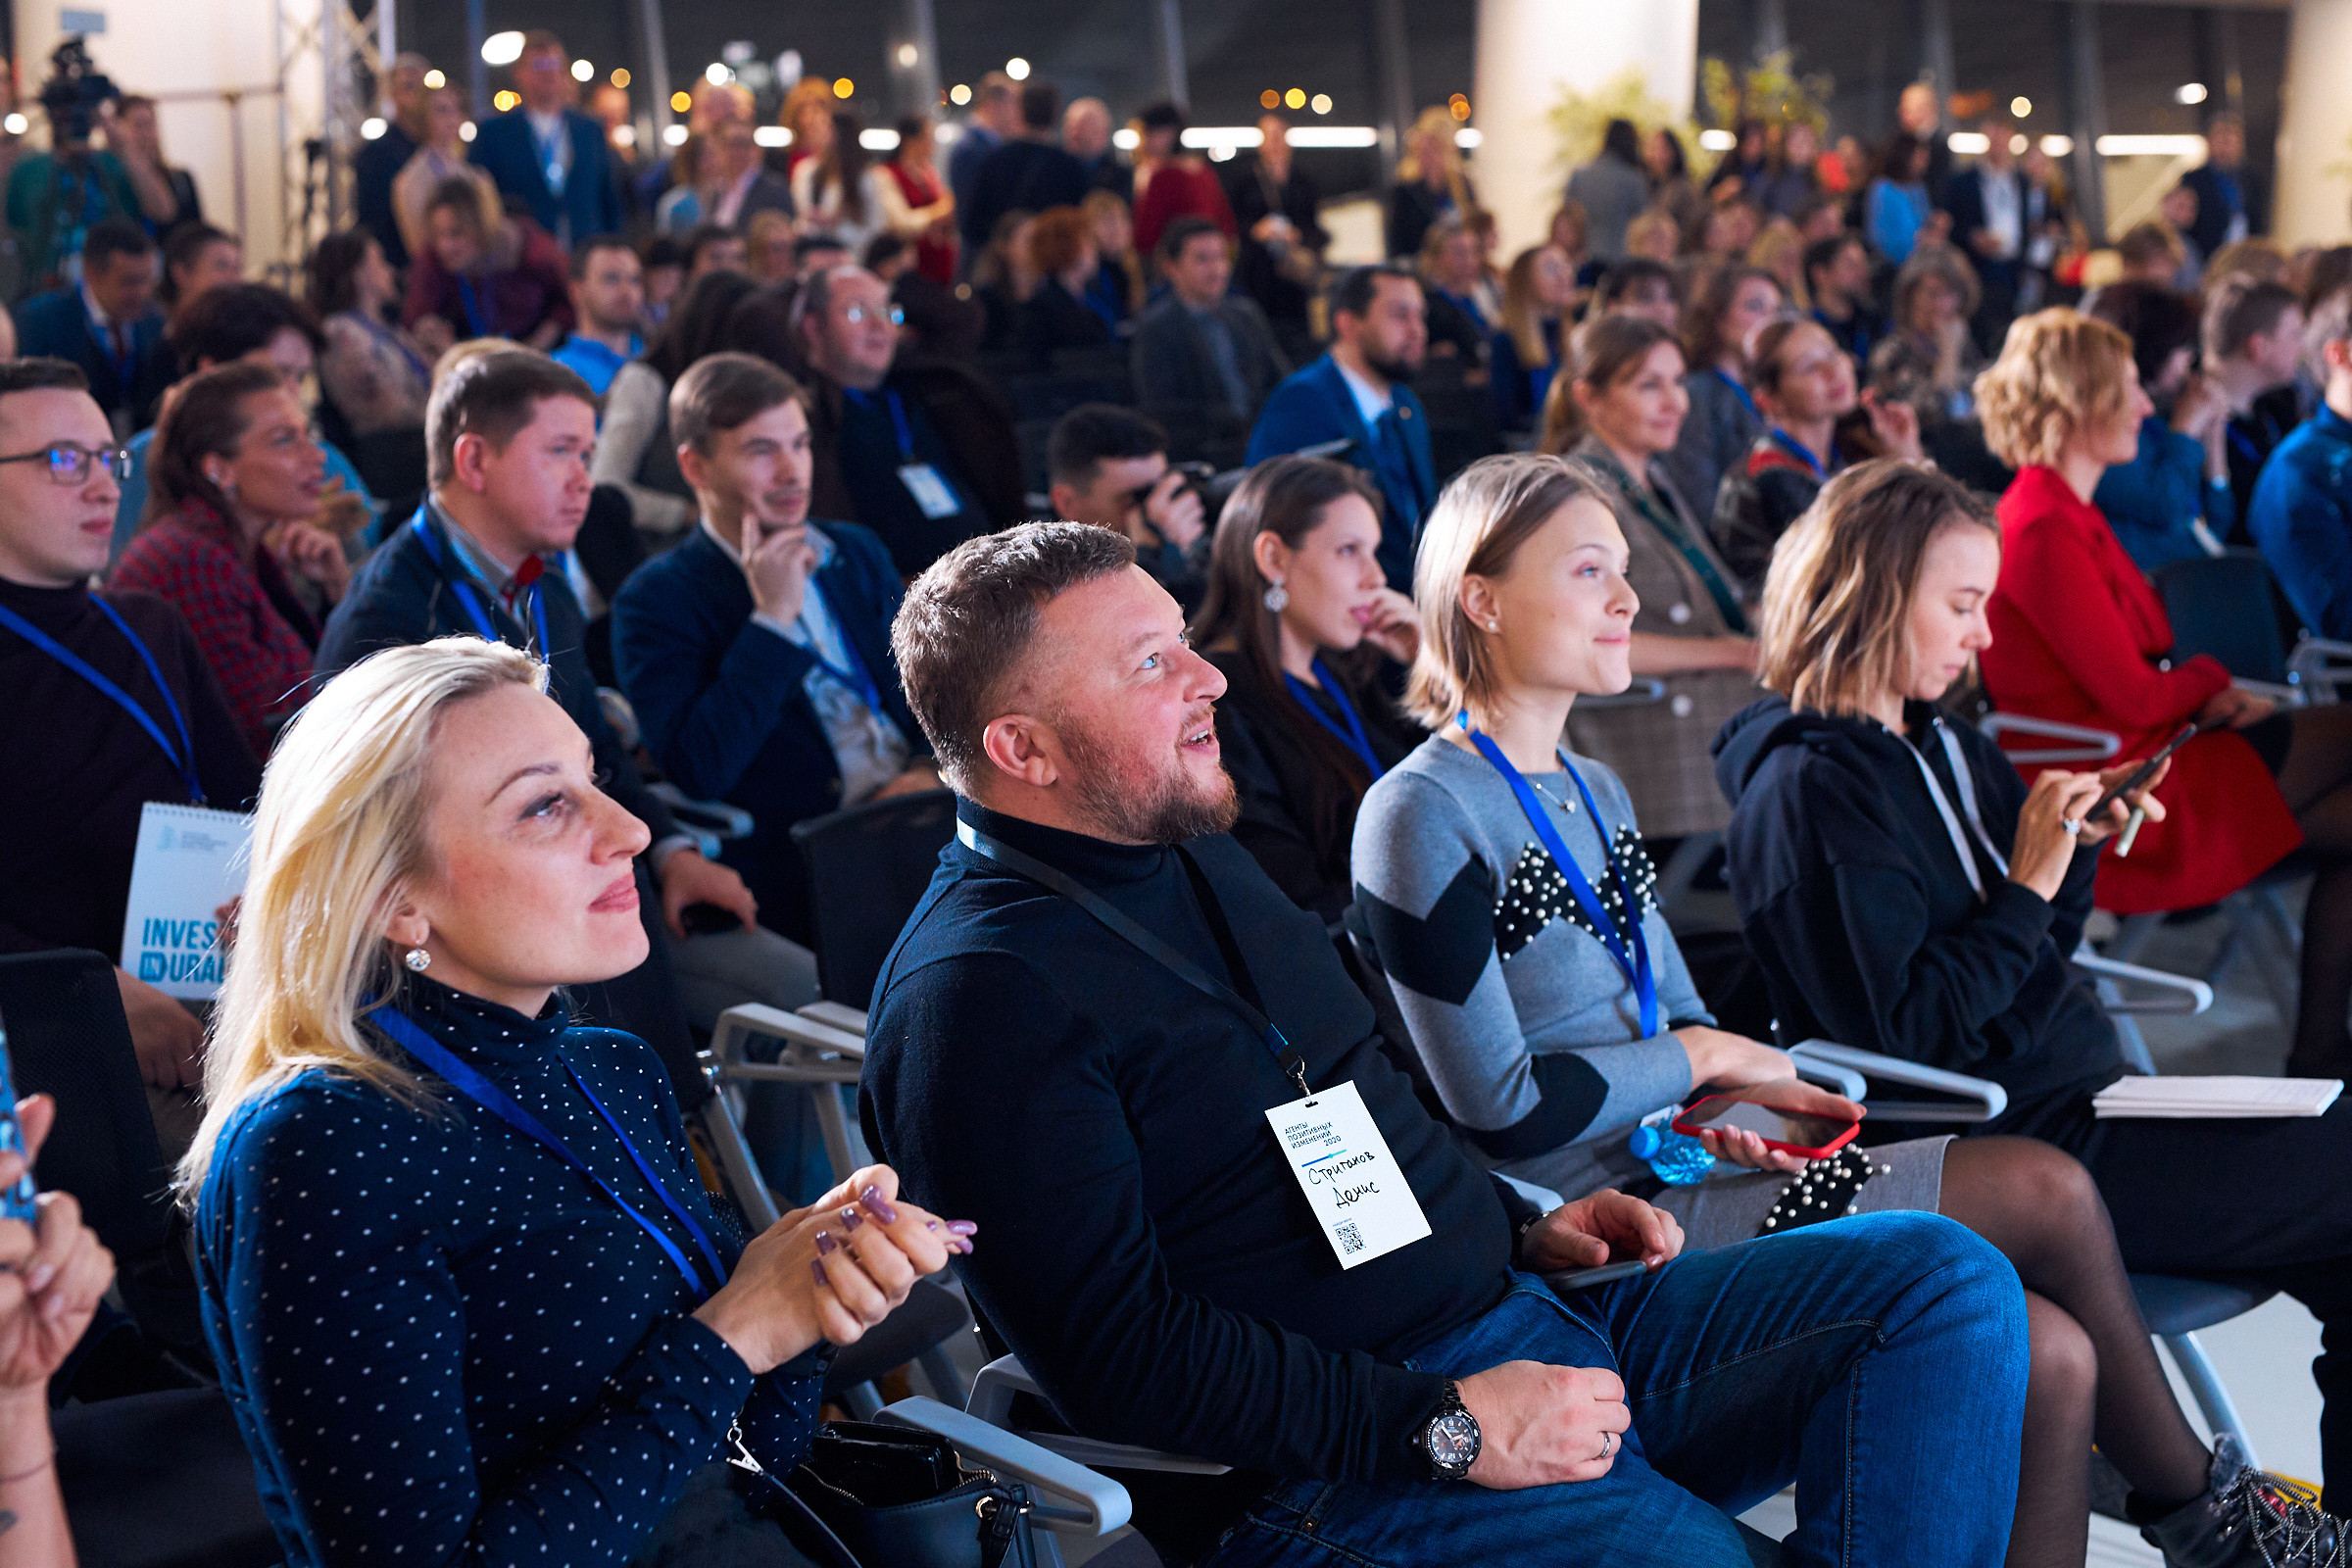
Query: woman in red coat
x,y
1172,183
2081,636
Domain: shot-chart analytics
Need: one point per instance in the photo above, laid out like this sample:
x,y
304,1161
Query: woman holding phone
x,y
465,1291
1551,1010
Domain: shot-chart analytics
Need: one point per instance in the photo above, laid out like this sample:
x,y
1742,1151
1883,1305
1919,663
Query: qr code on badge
x,y
1351,1240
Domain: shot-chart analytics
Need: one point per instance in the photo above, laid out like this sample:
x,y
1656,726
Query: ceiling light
x,y
369,128
681,101
771,136
625,135
1269,99
502,48
880,140
582,70
1126,140
1467,138
620,77
843,86
505,99
1320,103
1717,141
434,81
1017,68
2057,146
959,94
674,136
465,131
2189,92
907,56
1296,98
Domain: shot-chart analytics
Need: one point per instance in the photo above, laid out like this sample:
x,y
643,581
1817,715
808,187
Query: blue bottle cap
x,y
1646,1143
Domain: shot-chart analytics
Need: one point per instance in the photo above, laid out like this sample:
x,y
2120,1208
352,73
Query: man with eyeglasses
x,y
1109,467
921,453
105,699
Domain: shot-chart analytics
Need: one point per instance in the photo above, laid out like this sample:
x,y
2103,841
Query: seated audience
x,y
1902,371
1936,293
1612,189
1654,235
1431,185
106,324
768,242
2252,336
757,654
839,190
937,321
1191,1304
397,1072
2083,638
72,801
375,374
1109,465
920,452
1202,354
1538,304
708,248
1029,172
1278,206
197,257
2177,211
1001,278
1360,392
1618,408
1718,326
1804,387
1550,1017
234,480
732,185
485,275
1837,274
438,159
1780,250
549,159
1308,635
1881,923
664,261
1172,181
2301,517
2152,253
916,203
40,1328
1118,287
608,305
1453,278
2171,501
1640,286
509,434
1059,316
633,447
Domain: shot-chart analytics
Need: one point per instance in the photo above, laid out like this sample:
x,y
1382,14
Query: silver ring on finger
x,y
1608,1445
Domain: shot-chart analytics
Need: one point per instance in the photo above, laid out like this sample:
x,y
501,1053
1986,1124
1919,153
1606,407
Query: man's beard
x,y
1165,809
1392,370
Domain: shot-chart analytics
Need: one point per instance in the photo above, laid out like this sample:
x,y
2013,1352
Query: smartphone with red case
x,y
1806,1137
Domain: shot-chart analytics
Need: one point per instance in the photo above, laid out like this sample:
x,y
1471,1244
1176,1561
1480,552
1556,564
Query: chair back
x,y
2222,605
867,869
69,1039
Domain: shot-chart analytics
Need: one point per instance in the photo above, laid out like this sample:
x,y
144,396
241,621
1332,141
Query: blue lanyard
x,y
1797,449
1352,737
1861,349
898,417
496,1100
473,601
183,756
1634,965
551,160
1746,400
858,678
475,321
385,335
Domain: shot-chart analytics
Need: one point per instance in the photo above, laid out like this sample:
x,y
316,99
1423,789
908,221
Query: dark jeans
x,y
2261,1199
1878,1361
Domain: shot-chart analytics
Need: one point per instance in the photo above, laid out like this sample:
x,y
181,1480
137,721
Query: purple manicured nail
x,y
930,1224
878,1205
963,1227
825,1242
849,1218
963,1247
818,1269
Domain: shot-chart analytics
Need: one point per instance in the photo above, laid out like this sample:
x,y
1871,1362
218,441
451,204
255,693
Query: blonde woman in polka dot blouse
x,y
443,1341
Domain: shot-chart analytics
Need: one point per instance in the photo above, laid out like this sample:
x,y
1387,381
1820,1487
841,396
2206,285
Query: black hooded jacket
x,y
1855,902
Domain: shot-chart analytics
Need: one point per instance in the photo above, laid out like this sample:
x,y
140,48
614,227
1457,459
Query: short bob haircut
x,y
2060,371
1837,598
1481,521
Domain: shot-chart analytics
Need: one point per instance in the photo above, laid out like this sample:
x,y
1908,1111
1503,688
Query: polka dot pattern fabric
x,y
444,1346
1536,893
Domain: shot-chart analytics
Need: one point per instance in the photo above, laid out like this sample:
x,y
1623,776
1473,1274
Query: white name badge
x,y
932,493
1350,1179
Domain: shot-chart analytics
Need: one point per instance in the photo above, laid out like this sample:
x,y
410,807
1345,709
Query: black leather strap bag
x,y
882,1496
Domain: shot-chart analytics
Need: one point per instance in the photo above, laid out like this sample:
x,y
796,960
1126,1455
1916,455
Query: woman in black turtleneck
x,y
1301,621
465,1291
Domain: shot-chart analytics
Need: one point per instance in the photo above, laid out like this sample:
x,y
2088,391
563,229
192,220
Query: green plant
x,y
1578,118
1771,91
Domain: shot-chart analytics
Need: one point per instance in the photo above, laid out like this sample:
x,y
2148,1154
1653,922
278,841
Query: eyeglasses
x,y
70,464
858,316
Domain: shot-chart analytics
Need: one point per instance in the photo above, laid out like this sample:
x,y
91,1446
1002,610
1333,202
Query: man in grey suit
x,y
1204,359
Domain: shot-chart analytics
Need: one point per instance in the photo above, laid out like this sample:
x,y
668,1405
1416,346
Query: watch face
x,y
1454,1441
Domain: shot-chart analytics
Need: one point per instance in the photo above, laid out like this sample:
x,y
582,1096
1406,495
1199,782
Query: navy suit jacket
x,y
722,704
1314,406
56,324
590,201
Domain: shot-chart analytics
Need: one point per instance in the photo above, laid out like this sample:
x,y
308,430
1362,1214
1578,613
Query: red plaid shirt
x,y
253,630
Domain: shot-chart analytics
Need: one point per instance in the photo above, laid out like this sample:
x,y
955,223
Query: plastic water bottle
x,y
1679,1160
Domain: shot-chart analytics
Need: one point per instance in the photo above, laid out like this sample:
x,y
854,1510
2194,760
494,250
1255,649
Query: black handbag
x,y
883,1497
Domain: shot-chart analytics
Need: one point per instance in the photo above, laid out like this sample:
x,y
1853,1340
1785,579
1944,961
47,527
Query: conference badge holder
x,y
932,493
1350,1180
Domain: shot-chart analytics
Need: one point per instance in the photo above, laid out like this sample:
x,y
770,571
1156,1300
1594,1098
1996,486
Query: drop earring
x,y
417,958
1277,597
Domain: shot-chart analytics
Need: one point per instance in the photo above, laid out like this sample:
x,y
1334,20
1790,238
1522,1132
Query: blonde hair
x,y
1780,250
1436,122
338,834
1836,613
1491,508
1522,315
2060,371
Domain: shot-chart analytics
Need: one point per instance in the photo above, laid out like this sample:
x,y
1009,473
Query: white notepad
x,y
191,860
2188,1097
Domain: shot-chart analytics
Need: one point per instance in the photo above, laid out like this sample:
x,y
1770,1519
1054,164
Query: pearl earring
x,y
1277,597
417,958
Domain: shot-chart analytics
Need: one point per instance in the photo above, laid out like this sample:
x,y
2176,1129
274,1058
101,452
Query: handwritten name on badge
x,y
1349,1178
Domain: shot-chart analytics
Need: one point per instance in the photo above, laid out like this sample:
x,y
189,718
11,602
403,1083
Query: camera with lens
x,y
74,94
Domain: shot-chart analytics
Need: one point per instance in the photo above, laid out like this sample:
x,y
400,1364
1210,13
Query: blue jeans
x,y
1878,1361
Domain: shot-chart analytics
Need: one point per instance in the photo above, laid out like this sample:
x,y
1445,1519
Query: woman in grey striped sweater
x,y
1532,1020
